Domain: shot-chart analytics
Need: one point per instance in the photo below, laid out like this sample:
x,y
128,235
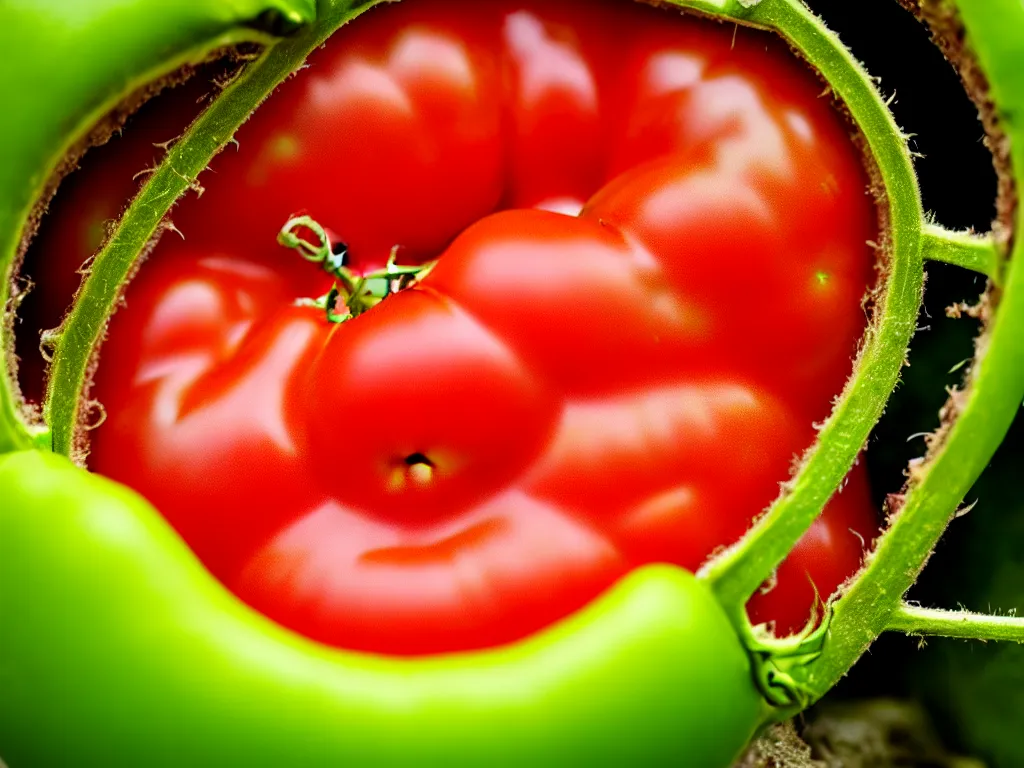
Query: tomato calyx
x,y
355,292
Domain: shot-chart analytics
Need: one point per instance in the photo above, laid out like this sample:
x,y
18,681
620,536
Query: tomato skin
x,y
357,583
721,242
564,398
626,328
445,387
555,107
379,118
719,147
192,376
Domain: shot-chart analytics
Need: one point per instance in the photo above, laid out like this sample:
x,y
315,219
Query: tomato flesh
x,y
652,251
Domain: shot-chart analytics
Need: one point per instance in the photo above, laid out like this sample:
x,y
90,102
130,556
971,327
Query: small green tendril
x,y
353,292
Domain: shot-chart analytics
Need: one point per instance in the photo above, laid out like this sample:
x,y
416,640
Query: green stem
x,y
358,292
121,48
977,253
319,252
78,339
739,572
977,418
15,433
975,421
914,620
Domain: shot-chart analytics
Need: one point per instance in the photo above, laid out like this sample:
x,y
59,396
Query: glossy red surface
x,y
652,252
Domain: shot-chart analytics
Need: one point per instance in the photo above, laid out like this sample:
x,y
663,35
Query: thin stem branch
x,y
936,622
977,253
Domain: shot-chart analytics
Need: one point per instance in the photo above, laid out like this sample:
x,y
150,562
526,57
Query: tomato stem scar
x,y
357,292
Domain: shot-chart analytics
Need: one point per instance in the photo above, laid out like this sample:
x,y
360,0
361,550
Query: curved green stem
x,y
977,253
976,419
914,620
357,292
739,572
77,340
15,433
120,49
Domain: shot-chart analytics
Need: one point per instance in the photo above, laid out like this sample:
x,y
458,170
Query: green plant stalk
x,y
914,620
77,341
977,253
53,104
741,570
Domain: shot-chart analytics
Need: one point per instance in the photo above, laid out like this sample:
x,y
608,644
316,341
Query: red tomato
x,y
652,254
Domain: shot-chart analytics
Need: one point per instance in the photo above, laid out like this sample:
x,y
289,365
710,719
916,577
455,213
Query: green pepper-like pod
x,y
119,649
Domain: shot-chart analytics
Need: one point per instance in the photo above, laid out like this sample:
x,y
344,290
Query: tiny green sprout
x,y
353,291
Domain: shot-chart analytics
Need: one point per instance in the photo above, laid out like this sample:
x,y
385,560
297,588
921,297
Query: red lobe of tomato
x,y
422,412
564,397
